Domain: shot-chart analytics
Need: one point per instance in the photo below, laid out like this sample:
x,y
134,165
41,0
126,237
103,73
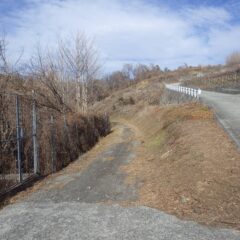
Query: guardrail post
x,y
195,93
19,155
199,92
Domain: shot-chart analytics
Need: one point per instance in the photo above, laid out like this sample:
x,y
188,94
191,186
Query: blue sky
x,y
168,33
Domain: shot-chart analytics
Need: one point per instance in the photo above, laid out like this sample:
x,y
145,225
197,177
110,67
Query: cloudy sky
x,y
168,33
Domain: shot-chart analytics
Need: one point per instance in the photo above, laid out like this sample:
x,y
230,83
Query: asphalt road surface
x,y
227,109
80,205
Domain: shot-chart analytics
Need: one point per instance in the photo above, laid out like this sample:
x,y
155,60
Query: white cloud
x,y
129,32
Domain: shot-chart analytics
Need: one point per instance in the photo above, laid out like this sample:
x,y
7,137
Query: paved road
x,y
80,204
226,107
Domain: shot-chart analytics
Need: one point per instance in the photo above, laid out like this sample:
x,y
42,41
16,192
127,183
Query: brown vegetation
x,y
73,136
61,137
187,165
146,92
217,81
219,78
61,84
233,59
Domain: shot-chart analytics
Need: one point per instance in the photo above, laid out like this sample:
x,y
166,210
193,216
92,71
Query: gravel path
x,y
73,205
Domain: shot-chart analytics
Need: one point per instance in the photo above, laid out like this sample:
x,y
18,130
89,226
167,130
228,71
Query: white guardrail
x,y
189,91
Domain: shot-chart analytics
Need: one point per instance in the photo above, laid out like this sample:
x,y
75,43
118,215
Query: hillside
x,y
186,165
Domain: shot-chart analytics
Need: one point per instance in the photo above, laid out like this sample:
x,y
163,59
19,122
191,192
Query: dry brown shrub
x,y
59,142
233,59
68,138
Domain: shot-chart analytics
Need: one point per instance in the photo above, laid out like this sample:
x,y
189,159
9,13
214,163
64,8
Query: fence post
x,y
66,140
53,145
19,155
34,136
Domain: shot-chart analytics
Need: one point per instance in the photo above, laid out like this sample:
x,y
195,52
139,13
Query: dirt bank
x,y
187,165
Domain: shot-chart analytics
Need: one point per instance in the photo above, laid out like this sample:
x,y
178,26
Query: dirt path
x,y
70,204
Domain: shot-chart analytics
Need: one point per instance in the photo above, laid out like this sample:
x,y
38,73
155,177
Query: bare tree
x,y
116,80
4,65
81,59
47,71
233,59
67,71
140,72
128,71
8,69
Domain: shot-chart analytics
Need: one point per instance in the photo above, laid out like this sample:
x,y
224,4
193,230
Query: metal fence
x,y
21,119
190,91
15,118
38,140
195,93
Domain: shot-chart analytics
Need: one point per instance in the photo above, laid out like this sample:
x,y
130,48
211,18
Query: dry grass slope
x,y
187,165
226,81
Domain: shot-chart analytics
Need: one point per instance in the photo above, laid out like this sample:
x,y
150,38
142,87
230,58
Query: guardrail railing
x,y
188,91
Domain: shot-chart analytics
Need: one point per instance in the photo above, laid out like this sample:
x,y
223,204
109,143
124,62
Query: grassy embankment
x,y
186,165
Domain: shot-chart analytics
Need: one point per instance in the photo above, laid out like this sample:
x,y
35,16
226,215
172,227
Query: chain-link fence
x,y
35,139
16,132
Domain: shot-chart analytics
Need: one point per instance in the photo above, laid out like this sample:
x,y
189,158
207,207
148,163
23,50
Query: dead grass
x,y
143,93
187,166
217,81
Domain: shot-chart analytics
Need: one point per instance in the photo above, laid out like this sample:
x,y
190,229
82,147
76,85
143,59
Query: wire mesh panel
x,y
47,137
56,147
40,139
16,148
8,141
26,136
